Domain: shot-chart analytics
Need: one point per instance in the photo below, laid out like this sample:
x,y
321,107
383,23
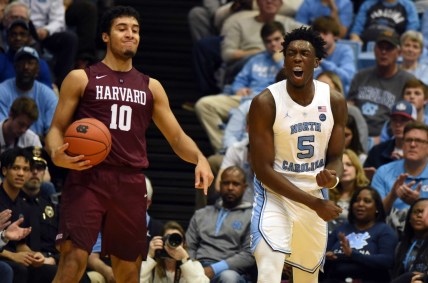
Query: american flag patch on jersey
x,y
322,109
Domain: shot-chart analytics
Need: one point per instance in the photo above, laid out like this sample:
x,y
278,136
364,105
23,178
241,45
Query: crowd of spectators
x,y
381,234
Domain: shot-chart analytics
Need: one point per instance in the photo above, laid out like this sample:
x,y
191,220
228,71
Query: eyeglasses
x,y
416,141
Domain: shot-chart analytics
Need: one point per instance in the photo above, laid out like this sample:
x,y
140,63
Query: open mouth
x,y
298,74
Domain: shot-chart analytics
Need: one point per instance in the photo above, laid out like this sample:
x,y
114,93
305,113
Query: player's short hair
x,y
8,157
24,106
114,13
307,34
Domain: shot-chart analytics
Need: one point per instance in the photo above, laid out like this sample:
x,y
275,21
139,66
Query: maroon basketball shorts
x,y
109,199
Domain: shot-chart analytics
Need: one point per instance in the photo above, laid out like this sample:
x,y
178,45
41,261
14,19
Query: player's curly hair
x,y
114,13
307,34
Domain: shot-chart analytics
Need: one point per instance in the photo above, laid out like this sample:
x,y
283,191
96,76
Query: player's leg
x,y
72,263
304,276
126,271
269,263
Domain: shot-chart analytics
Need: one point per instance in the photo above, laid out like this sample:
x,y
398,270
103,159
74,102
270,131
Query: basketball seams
x,y
88,121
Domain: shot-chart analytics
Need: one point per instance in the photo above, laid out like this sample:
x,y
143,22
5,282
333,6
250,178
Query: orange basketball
x,y
89,137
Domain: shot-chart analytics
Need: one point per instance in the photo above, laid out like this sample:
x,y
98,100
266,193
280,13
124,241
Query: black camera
x,y
172,241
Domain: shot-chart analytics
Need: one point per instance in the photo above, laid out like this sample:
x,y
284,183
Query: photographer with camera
x,y
168,260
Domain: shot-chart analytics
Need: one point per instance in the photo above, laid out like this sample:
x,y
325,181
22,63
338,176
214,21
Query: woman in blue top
x,y
363,248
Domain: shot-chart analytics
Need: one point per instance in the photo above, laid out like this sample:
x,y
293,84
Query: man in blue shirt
x,y
26,62
402,182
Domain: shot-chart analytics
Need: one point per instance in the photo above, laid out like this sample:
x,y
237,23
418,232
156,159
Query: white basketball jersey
x,y
301,134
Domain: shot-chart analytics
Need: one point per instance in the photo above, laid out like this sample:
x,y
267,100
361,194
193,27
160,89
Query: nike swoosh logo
x,y
100,77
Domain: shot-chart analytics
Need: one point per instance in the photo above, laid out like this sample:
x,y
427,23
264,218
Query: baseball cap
x,y
26,51
404,108
389,36
19,22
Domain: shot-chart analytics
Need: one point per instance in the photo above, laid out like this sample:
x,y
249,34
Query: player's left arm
x,y
336,145
180,142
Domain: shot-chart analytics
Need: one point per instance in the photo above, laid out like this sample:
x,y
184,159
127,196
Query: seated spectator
x,y
353,178
363,248
27,265
219,235
257,74
403,113
15,130
333,80
373,18
400,182
340,57
26,64
168,259
18,35
412,246
376,89
48,18
341,11
412,46
415,92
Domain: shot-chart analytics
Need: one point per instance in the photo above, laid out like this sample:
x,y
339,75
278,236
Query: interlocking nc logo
x,y
82,129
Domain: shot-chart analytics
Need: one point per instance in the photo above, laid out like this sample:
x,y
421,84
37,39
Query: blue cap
x,y
404,108
28,51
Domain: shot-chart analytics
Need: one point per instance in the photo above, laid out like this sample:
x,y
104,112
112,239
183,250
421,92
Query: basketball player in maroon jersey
x,y
111,196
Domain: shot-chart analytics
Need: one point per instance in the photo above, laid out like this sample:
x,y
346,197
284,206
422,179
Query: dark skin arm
x,y
261,119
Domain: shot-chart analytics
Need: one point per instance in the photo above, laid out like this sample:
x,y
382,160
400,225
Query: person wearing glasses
x,y
402,182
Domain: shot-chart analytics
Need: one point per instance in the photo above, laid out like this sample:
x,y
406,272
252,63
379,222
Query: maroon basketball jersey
x,y
124,103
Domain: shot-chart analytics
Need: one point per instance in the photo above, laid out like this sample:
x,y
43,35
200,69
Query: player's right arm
x,y
72,89
261,119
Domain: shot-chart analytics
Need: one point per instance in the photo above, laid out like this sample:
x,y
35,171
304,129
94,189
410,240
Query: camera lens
x,y
174,240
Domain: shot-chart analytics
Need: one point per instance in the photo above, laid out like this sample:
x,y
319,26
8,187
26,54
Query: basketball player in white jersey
x,y
296,129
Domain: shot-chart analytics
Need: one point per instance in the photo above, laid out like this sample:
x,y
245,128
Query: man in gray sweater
x,y
219,235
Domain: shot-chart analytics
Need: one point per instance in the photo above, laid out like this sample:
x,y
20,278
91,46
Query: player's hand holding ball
x,y
87,142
